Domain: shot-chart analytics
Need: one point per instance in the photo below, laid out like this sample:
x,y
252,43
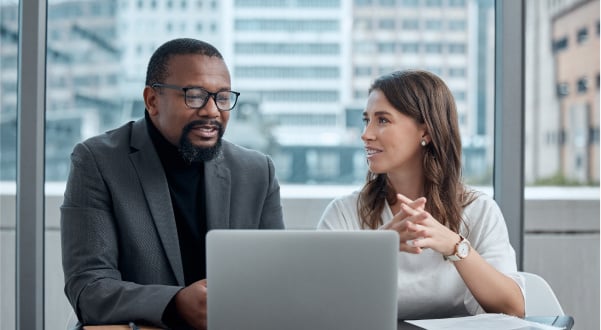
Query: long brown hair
x,y
424,97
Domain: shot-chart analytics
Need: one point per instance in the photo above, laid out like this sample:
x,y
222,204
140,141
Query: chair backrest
x,y
540,298
72,322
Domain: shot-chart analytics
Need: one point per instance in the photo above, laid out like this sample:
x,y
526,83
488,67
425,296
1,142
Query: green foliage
x,y
559,179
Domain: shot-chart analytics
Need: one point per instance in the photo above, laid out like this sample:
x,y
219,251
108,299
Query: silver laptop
x,y
293,280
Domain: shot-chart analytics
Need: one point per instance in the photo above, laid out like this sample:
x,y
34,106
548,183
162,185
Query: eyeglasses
x,y
197,97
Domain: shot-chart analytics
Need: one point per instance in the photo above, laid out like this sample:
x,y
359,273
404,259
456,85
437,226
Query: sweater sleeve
x,y
341,214
486,229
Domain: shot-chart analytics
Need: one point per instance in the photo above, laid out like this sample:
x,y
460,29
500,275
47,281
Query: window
x,y
457,25
560,44
433,3
457,48
387,3
410,48
362,71
410,3
434,25
582,85
456,3
433,48
273,50
410,24
386,24
386,47
582,35
363,3
457,72
562,90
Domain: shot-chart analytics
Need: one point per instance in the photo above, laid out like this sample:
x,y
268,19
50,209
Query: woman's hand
x,y
418,229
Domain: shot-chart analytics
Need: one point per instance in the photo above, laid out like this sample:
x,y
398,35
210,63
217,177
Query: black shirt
x,y
187,190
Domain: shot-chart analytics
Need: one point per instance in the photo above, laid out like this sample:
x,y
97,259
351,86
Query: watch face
x,y
463,249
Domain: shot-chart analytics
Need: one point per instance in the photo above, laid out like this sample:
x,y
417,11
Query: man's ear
x,y
150,100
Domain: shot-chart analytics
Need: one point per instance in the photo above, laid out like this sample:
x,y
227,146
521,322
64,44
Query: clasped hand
x,y
418,230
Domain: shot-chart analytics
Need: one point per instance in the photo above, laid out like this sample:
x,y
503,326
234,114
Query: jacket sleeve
x,y
90,253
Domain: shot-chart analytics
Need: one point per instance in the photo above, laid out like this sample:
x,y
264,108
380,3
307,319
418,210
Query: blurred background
x,y
303,68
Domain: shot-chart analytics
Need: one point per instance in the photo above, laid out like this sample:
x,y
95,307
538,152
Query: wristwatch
x,y
462,249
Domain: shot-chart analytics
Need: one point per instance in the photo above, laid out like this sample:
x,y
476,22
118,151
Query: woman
x,y
414,187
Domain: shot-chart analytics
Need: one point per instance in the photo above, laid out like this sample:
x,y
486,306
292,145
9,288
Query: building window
x,y
410,3
582,35
433,48
457,72
593,135
362,71
433,3
582,85
457,25
386,47
456,3
457,48
410,24
562,90
560,44
434,25
410,48
363,3
386,24
387,3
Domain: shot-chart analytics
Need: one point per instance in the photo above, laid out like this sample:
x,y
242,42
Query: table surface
x,y
565,321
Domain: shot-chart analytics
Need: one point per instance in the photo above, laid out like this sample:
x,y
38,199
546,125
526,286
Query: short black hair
x,y
157,66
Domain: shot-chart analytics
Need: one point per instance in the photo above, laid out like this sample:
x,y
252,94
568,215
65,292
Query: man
x,y
140,199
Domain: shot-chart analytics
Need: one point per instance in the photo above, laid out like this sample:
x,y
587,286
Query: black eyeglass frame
x,y
206,99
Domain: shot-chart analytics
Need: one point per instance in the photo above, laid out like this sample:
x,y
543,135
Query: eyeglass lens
x,y
197,98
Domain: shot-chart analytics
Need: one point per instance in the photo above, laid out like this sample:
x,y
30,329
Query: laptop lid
x,y
291,279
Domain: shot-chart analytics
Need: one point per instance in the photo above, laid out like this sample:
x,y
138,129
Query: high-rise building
x,y
562,92
575,33
452,39
292,57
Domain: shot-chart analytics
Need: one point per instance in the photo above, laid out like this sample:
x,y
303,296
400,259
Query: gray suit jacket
x,y
120,249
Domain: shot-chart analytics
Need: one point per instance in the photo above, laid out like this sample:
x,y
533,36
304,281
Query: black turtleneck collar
x,y
168,153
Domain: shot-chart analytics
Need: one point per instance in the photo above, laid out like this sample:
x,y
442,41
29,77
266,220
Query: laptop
x,y
293,280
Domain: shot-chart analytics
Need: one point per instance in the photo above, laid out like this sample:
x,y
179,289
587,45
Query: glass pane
x,y
310,89
561,210
9,41
303,69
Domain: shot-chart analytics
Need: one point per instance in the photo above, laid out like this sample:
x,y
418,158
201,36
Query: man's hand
x,y
191,304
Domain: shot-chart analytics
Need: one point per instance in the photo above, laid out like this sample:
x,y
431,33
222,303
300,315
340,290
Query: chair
x,y
540,298
72,322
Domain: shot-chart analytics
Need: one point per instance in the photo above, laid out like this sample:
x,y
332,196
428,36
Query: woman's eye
x,y
365,121
382,120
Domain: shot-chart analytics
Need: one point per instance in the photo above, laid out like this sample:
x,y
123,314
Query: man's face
x,y
196,132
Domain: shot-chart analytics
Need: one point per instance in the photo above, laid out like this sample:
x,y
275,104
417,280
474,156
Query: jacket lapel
x,y
154,184
218,186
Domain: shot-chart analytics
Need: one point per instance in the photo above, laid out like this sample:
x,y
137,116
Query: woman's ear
x,y
150,100
425,135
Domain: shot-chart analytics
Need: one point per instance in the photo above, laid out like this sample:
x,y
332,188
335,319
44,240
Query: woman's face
x,y
392,139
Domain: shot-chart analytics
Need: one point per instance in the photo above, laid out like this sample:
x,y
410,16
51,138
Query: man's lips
x,y
205,131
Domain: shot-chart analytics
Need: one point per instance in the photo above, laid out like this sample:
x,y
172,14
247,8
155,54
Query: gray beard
x,y
191,153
